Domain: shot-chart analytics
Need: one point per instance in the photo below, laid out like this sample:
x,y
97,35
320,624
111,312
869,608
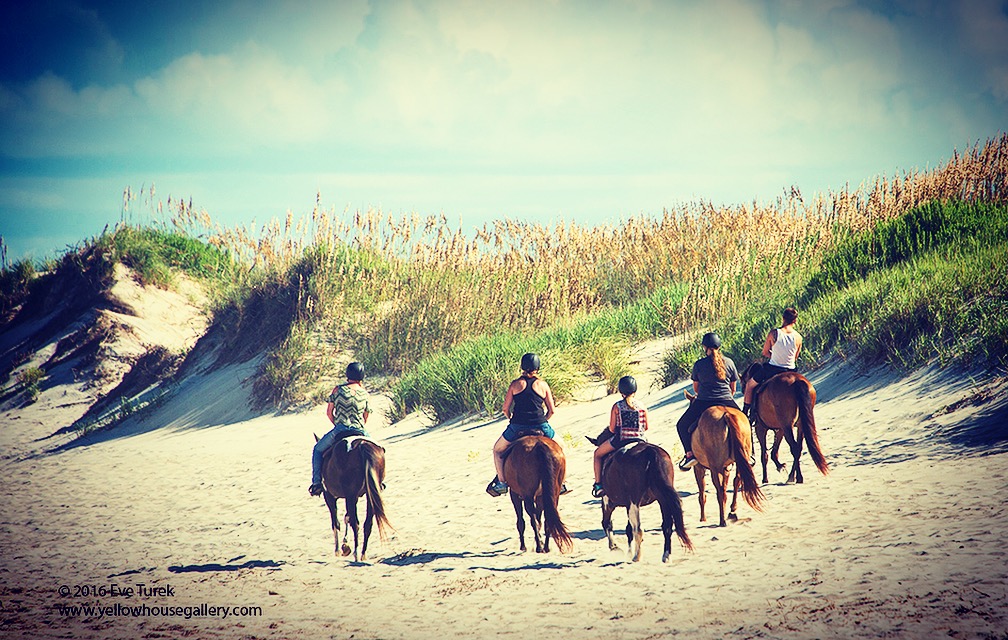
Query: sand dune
x,y
204,504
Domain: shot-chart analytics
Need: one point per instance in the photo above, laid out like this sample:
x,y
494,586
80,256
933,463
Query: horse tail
x,y
660,471
750,488
372,487
804,396
549,477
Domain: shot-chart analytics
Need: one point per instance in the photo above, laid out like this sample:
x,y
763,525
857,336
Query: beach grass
x,y
444,312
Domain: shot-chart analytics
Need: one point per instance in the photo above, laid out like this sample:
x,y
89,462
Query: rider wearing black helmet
x,y
628,420
348,411
528,406
714,380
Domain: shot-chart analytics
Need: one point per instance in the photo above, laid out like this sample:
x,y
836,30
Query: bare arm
x,y
548,401
509,401
768,343
331,407
612,418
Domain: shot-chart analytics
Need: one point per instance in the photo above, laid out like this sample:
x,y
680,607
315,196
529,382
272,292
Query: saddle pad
x,y
349,440
628,446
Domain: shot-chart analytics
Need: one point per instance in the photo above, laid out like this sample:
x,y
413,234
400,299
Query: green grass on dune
x,y
472,376
927,286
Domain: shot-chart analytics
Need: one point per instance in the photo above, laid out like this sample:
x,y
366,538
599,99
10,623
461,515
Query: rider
x,y
528,406
348,411
782,347
714,379
627,421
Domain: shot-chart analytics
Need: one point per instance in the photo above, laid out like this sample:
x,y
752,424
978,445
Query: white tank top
x,y
784,351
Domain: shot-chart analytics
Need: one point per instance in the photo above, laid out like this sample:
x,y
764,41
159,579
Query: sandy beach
x,y
193,520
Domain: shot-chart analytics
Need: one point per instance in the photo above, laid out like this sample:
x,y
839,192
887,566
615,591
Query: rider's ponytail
x,y
720,370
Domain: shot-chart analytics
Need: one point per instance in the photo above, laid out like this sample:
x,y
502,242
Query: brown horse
x,y
721,440
635,476
780,403
534,470
353,474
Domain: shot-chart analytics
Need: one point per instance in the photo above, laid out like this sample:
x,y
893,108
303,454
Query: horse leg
x,y
333,517
520,518
368,522
667,526
607,511
778,437
796,448
700,472
351,507
761,433
534,515
346,534
720,479
633,513
539,507
735,491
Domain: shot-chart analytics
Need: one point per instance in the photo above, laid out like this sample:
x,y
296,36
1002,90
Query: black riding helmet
x,y
711,341
627,385
530,362
355,371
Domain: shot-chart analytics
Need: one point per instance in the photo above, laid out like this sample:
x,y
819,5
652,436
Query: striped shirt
x,y
630,422
349,405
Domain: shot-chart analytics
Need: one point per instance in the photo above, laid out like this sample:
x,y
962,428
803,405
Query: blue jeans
x,y
511,433
324,443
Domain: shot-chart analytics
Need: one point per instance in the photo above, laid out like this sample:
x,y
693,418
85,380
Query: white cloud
x,y
249,98
675,89
985,31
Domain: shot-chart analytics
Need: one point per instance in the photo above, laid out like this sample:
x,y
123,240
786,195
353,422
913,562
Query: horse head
x,y
600,438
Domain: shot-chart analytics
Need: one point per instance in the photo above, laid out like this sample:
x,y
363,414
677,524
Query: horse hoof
x,y
347,550
665,557
732,517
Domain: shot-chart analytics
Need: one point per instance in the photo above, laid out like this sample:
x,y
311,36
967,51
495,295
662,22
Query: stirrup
x,y
688,463
497,488
597,490
315,489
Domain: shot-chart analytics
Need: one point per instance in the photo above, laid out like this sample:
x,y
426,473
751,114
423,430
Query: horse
x,y
634,476
720,440
780,403
351,473
534,470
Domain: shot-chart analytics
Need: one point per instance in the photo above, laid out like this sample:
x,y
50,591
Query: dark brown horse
x,y
721,440
782,403
635,476
354,474
534,470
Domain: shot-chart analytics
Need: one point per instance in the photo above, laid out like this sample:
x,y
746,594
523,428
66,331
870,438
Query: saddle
x,y
605,435
348,438
522,434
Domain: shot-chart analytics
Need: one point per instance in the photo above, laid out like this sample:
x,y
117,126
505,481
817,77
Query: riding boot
x,y
747,410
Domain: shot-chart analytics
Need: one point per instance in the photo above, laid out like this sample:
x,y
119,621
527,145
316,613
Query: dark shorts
x,y
766,371
514,430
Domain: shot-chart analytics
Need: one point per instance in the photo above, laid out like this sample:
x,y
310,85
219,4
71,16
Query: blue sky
x,y
562,110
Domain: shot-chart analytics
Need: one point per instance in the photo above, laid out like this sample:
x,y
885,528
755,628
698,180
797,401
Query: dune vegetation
x,y
901,270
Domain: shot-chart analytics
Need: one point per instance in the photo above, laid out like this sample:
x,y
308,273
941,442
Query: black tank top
x,y
528,405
